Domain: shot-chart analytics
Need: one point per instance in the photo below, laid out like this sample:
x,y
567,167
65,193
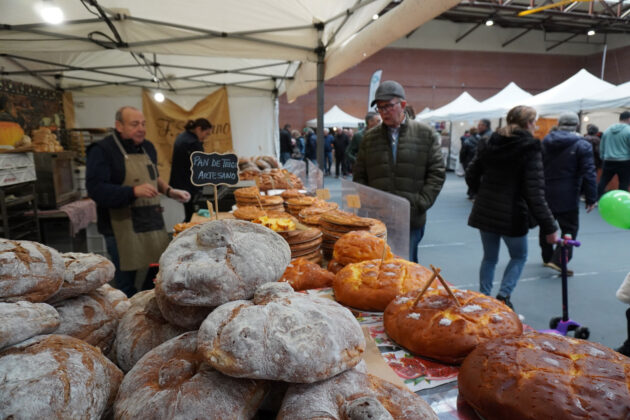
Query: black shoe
x,y
624,349
556,267
506,300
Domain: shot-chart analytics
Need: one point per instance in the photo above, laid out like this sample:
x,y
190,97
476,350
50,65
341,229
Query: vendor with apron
x,y
122,178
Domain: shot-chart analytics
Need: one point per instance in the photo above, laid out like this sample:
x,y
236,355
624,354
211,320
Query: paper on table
x,y
375,363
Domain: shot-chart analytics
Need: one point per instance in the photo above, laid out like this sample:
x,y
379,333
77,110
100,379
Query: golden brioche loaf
x,y
357,246
370,285
435,327
546,376
302,274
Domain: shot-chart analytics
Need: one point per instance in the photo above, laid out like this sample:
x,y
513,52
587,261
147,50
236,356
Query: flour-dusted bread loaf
x,y
83,274
90,318
172,382
370,285
29,271
141,329
56,377
302,274
281,335
546,376
119,301
22,320
353,395
221,261
187,317
435,327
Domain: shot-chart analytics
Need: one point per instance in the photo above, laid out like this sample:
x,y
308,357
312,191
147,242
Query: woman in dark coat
x,y
189,141
507,178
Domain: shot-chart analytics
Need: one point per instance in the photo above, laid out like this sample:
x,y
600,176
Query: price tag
x,y
323,193
353,200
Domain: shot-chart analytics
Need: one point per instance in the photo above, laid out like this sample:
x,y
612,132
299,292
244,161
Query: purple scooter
x,y
562,325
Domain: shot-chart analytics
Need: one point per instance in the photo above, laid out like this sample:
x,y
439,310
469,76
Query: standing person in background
x,y
285,143
372,119
615,153
189,141
122,178
328,149
568,165
300,145
594,137
310,149
507,176
484,130
340,144
401,157
467,152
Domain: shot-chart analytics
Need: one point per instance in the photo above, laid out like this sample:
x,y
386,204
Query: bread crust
x,y
22,320
436,328
187,317
303,274
83,273
548,376
359,246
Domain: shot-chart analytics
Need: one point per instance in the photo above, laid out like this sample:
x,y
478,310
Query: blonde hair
x,y
518,117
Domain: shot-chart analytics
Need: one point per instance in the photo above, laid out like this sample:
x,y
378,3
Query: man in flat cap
x,y
401,157
569,165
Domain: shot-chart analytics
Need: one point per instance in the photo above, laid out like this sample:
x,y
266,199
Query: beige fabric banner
x,y
166,120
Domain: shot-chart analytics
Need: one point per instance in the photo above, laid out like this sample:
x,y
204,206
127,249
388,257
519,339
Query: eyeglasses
x,y
386,107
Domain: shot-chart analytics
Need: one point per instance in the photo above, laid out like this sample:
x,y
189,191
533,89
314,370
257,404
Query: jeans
x,y
611,168
415,236
125,280
517,246
569,223
328,162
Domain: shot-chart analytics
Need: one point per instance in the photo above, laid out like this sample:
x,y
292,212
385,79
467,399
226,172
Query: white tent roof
x,y
498,105
568,95
616,97
336,117
451,111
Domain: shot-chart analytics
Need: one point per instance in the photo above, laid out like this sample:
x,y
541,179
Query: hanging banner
x,y
375,80
166,120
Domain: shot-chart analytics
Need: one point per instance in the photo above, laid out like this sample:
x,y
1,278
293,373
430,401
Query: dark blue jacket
x,y
185,144
328,143
311,147
568,162
105,173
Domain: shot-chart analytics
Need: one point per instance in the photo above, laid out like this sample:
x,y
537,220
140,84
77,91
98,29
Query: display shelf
x,y
18,212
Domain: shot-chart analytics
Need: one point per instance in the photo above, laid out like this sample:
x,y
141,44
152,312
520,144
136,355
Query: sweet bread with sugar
x,y
302,274
360,246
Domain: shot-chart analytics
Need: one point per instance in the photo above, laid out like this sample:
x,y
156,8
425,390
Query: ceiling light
x,y
50,12
585,119
158,96
591,32
489,22
375,16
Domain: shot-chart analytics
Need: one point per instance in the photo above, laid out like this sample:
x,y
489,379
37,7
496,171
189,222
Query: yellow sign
x,y
353,200
323,193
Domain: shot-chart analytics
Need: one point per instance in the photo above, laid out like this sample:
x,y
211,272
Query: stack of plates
x,y
305,243
336,223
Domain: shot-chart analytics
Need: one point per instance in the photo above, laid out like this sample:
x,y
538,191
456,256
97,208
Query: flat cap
x,y
387,90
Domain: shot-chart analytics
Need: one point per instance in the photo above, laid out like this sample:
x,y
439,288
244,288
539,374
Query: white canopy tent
x,y
498,105
336,117
613,98
451,112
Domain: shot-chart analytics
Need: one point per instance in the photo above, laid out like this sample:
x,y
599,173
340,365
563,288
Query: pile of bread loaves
x,y
216,336
44,140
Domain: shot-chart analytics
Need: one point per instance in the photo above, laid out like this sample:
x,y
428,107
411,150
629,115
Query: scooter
x,y
562,325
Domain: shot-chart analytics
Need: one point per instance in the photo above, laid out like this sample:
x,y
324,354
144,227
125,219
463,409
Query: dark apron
x,y
139,228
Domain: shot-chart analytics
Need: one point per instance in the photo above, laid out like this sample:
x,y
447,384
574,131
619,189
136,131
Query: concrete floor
x,y
600,265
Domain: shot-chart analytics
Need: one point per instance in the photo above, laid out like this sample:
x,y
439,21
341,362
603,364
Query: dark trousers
x,y
125,280
611,168
415,236
340,161
189,209
569,224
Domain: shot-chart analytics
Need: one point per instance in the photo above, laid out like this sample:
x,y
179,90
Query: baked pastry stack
x,y
334,224
357,246
291,193
434,326
371,285
294,205
250,196
304,243
310,215
248,213
303,274
546,376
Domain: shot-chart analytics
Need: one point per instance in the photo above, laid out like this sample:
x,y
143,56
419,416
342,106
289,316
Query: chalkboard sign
x,y
213,169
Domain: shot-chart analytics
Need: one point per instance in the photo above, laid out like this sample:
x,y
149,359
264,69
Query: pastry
x,y
302,274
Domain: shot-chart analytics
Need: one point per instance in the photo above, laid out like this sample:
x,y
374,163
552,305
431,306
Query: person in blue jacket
x,y
614,150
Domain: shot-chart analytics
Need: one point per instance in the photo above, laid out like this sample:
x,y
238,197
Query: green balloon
x,y
614,207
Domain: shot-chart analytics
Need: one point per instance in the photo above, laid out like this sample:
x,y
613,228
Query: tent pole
x,y
321,54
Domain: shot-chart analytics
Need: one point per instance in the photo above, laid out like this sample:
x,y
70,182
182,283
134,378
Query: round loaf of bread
x,y
56,377
353,395
172,382
370,285
141,329
546,376
119,301
90,318
220,261
436,328
360,245
83,273
29,271
22,320
302,274
281,335
187,317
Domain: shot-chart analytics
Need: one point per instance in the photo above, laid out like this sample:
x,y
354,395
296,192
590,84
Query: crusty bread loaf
x,y
90,318
83,273
370,285
221,261
353,395
56,377
119,301
357,246
22,320
546,376
436,328
172,382
29,271
141,329
302,274
187,317
281,335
